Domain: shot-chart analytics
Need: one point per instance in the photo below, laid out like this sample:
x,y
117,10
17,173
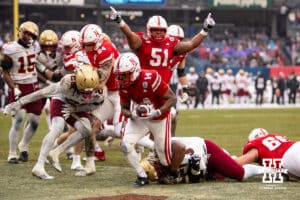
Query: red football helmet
x,y
127,68
157,28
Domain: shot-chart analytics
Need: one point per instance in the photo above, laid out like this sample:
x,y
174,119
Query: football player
x,y
156,99
177,65
203,160
18,63
83,90
262,145
51,58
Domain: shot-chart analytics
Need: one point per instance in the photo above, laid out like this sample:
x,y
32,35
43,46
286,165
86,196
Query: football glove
x,y
12,108
150,112
194,162
115,15
17,93
209,23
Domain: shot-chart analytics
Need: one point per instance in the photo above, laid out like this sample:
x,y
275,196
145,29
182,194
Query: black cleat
x,y
13,161
141,181
23,156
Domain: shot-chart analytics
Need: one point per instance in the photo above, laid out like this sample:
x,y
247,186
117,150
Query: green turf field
x,y
227,128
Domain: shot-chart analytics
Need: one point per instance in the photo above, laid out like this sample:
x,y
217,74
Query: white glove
x,y
17,93
12,108
115,15
151,112
67,110
209,23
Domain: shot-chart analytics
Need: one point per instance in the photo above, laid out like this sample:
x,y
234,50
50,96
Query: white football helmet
x,y
91,34
158,23
257,133
70,42
127,68
175,31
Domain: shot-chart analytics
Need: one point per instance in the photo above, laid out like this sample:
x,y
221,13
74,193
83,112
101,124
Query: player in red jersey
x,y
19,72
262,145
144,88
156,49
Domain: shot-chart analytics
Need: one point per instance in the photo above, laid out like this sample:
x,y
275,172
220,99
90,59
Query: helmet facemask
x,y
157,28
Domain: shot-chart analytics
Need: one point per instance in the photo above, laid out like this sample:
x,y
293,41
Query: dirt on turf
x,y
128,197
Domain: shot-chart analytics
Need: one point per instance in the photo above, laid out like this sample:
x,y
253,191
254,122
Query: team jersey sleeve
x,y
158,85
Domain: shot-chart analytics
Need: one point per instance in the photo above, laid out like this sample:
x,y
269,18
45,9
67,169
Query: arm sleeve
x,y
49,91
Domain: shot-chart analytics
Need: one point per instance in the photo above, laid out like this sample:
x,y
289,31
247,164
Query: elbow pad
x,y
180,72
56,77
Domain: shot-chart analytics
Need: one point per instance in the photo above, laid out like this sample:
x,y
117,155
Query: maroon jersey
x,y
157,55
147,87
107,51
269,146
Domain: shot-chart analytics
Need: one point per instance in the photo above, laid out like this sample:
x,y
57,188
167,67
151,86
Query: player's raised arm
x,y
134,40
184,47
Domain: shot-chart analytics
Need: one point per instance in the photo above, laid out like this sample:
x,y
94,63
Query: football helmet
x,y
229,71
86,78
257,133
91,35
149,169
175,31
48,41
221,71
127,68
28,32
70,42
157,23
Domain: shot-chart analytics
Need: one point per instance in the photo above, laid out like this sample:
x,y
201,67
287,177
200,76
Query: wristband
x,y
203,32
158,112
122,23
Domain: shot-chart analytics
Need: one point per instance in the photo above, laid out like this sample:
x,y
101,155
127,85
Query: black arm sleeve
x,y
6,62
180,72
56,77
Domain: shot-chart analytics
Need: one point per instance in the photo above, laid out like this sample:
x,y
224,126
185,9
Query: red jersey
x,y
106,52
157,55
269,146
147,87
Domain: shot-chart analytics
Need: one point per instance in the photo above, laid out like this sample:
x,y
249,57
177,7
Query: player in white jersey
x,y
82,90
242,87
230,88
50,57
18,63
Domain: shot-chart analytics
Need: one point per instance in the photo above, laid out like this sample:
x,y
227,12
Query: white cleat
x,y
76,167
53,158
89,169
41,173
85,172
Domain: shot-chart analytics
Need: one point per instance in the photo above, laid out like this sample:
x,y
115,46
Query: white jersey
x,y
66,91
23,69
241,82
197,144
229,82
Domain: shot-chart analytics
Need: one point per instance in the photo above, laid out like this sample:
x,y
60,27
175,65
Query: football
x,y
142,110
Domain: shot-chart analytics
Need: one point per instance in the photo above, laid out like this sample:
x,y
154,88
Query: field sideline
x,y
228,128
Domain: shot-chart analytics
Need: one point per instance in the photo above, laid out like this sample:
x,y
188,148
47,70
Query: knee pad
x,y
33,121
18,119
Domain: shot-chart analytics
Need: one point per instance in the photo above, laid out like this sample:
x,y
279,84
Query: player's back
x,y
269,146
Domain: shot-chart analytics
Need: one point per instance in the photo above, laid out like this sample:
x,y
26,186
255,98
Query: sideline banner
x,y
274,71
